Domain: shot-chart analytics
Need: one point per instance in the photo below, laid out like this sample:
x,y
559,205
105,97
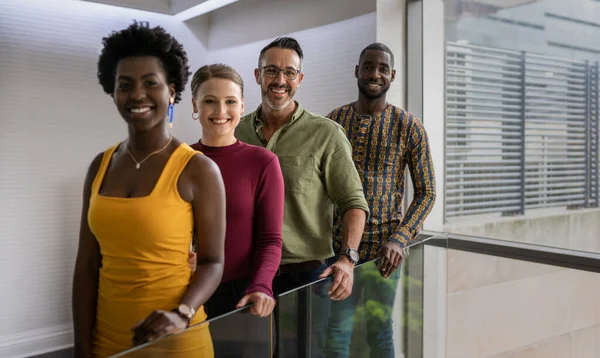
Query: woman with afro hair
x,y
144,200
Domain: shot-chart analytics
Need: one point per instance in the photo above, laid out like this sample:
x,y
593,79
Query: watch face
x,y
185,310
354,255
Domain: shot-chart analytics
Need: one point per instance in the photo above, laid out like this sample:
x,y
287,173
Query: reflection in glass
x,y
522,116
169,346
501,307
302,318
382,318
239,334
370,305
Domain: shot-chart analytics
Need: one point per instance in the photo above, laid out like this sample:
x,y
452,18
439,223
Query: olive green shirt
x,y
318,172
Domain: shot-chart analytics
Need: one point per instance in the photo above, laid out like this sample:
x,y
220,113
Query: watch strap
x,y
349,256
187,316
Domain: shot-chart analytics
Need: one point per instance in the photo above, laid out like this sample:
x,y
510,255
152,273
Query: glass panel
x,y
242,335
500,307
383,317
522,121
238,334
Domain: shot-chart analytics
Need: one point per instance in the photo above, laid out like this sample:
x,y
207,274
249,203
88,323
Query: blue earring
x,y
170,111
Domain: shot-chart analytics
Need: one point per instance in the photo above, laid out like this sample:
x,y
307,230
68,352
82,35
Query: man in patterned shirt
x,y
385,139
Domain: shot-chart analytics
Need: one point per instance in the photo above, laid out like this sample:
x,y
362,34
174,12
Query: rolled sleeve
x,y
341,179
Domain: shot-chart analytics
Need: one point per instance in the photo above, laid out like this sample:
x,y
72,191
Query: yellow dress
x,y
144,244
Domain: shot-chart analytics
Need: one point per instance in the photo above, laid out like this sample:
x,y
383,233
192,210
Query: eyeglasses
x,y
273,71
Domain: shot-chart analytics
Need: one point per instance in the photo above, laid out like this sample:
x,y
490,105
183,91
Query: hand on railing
x,y
390,257
343,278
157,325
263,304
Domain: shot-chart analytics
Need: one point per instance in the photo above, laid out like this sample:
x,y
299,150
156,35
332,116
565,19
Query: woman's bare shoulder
x,y
200,174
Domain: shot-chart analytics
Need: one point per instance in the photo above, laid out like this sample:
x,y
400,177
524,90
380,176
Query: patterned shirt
x,y
382,146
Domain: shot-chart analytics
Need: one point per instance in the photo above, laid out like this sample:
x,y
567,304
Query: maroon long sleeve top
x,y
254,193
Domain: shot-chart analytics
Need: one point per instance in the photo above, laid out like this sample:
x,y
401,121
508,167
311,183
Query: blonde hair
x,y
217,70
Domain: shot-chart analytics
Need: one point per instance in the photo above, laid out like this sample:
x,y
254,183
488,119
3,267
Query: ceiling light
x,y
203,8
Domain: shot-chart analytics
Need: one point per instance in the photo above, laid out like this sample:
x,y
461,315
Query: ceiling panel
x,y
180,5
160,6
171,7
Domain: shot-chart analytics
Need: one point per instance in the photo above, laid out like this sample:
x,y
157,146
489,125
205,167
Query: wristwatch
x,y
352,255
185,311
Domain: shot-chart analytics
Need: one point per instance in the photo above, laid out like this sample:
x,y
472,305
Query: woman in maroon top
x,y
254,193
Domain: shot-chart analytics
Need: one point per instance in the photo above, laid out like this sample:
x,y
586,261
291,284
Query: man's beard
x,y
362,87
274,106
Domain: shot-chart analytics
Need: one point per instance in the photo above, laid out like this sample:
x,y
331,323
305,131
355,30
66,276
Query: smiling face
x,y
374,74
279,77
141,92
219,105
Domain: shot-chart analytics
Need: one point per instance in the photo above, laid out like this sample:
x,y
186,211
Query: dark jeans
x,y
378,296
289,281
288,312
226,297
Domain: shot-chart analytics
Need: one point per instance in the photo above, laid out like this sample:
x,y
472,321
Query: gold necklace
x,y
138,164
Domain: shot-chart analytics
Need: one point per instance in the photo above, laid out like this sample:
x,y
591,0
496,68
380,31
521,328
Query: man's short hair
x,y
285,43
377,46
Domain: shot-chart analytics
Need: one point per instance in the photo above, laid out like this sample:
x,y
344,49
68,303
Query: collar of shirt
x,y
387,111
258,123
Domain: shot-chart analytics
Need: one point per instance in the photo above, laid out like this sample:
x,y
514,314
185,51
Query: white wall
x,y
392,33
54,118
433,100
426,76
240,31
